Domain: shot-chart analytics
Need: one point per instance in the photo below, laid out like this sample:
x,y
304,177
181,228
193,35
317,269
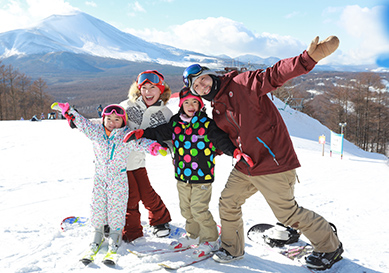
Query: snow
x,y
47,174
84,34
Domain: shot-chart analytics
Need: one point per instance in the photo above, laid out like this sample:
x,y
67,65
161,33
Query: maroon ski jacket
x,y
243,109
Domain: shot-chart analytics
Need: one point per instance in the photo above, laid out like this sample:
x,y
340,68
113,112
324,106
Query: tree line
x,y
361,100
20,96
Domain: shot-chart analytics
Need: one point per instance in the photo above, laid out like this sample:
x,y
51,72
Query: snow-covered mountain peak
x,y
84,34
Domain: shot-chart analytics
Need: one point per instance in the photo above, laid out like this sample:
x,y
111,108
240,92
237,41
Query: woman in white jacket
x,y
145,107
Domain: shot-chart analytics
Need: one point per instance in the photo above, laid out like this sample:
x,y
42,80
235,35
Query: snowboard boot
x,y
223,256
162,230
324,260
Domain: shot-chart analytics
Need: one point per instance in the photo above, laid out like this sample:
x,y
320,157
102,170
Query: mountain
x,y
81,34
88,62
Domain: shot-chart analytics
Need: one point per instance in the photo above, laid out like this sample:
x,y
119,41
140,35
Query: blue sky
x,y
215,27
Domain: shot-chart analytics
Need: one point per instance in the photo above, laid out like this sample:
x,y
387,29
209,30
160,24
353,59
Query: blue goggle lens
x,y
191,71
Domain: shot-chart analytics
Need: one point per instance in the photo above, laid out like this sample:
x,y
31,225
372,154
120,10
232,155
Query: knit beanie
x,y
185,94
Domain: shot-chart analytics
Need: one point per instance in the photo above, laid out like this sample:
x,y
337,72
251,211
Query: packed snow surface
x,y
47,174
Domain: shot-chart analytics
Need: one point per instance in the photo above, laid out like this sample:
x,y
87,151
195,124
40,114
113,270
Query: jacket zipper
x,y
269,150
236,125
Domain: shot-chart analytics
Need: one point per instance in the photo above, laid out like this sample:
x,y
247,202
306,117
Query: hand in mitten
x,y
133,135
156,148
238,155
319,50
64,108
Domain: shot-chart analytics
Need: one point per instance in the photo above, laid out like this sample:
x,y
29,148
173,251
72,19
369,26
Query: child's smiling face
x,y
191,106
113,121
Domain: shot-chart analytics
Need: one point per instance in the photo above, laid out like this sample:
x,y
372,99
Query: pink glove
x,y
156,148
63,107
238,154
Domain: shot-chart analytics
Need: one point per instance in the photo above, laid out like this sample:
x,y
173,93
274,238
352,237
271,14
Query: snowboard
x,y
72,222
295,251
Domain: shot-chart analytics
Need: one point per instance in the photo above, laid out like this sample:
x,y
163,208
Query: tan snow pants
x,y
278,190
194,205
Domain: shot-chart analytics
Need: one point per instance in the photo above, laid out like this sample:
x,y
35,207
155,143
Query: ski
x,y
178,265
156,251
89,256
111,258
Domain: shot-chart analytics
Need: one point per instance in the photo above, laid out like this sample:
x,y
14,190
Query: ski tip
x,y
167,266
85,261
109,263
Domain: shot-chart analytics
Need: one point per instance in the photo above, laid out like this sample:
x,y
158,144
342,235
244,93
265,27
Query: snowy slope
x,y
47,173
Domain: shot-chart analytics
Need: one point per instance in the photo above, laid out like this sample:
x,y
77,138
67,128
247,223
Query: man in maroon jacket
x,y
242,109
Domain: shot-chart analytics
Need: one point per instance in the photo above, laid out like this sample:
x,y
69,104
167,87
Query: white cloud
x,y
91,3
216,36
291,15
45,8
22,13
366,29
137,7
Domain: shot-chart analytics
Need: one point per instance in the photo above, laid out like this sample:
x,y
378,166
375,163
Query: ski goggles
x,y
191,71
184,92
151,76
117,109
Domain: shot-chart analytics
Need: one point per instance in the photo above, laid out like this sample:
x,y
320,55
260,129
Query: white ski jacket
x,y
141,117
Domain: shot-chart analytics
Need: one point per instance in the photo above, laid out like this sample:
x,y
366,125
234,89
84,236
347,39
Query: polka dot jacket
x,y
195,145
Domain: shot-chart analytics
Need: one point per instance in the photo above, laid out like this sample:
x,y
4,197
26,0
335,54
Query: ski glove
x,y
238,155
156,148
64,108
133,135
319,50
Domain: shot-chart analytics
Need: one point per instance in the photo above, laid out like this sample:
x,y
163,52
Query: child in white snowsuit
x,y
110,190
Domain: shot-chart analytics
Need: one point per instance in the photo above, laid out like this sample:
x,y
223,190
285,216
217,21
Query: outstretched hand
x,y
238,155
64,108
319,50
156,148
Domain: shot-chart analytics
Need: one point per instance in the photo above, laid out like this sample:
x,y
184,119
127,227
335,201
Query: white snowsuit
x,y
110,190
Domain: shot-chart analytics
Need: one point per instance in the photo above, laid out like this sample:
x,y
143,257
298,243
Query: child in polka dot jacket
x,y
195,139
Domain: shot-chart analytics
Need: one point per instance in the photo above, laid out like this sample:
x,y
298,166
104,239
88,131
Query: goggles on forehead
x,y
184,92
151,76
192,71
117,109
